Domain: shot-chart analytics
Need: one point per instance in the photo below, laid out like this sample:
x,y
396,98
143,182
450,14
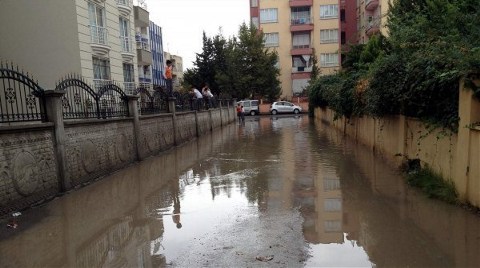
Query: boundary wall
x,y
454,156
38,161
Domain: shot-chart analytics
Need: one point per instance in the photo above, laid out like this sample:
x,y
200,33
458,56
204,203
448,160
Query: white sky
x,y
183,22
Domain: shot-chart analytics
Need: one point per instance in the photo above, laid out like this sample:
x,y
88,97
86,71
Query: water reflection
x,y
278,186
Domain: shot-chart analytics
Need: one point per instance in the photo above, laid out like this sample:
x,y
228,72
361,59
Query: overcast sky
x,y
183,22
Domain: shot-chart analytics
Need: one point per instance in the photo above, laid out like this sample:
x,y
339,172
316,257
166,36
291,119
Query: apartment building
x,y
158,62
50,39
302,29
372,18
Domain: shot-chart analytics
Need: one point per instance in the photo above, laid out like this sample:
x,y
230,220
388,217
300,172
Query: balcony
x,y
125,7
127,48
301,24
99,40
373,26
129,87
301,3
141,17
301,50
371,5
301,69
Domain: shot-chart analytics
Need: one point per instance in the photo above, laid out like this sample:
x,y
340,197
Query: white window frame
x,y
328,11
301,40
329,60
271,39
253,3
269,15
101,68
328,36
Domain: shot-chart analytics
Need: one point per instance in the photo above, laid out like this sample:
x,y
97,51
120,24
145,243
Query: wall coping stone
x,y
96,121
150,116
32,126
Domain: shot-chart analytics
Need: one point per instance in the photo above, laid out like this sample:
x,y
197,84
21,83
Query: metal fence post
x,y
53,105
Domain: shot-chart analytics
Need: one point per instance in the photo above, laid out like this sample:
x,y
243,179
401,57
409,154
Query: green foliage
x,y
416,70
433,185
240,67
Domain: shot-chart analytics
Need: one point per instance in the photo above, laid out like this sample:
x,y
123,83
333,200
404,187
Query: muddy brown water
x,y
272,192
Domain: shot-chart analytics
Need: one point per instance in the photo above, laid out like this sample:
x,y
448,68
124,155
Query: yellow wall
x,y
454,156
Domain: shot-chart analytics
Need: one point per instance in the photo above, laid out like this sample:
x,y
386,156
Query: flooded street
x,y
272,192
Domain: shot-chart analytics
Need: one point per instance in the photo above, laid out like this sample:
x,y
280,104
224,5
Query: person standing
x,y
198,98
207,94
169,77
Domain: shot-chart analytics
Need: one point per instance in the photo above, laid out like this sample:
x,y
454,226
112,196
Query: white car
x,y
284,107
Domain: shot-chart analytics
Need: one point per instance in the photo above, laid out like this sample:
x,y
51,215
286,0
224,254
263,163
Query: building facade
x,y
54,38
372,18
300,30
158,62
142,40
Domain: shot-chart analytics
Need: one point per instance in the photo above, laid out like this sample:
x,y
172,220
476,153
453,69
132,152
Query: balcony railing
x,y
142,42
300,20
99,35
145,85
126,43
129,87
300,46
99,83
127,3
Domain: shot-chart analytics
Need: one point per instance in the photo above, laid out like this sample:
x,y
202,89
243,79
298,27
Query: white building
x,y
50,39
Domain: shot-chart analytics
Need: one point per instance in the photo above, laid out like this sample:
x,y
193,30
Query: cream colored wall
x,y
285,38
285,41
114,55
41,37
383,12
453,156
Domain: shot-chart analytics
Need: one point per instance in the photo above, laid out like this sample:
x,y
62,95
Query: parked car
x,y
250,106
284,107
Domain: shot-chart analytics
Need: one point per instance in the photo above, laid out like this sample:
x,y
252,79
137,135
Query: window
x,y
300,15
96,17
301,40
254,3
332,226
270,39
342,15
333,204
268,15
124,34
255,22
128,72
328,59
329,36
302,61
328,11
331,184
101,68
343,38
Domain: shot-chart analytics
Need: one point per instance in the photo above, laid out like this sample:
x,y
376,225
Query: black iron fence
x,y
21,98
152,103
81,101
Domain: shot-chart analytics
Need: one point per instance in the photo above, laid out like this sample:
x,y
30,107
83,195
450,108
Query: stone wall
x,y
28,171
97,148
39,161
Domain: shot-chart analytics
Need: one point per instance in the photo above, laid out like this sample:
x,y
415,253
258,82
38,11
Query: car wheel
x,y
296,111
252,112
274,112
